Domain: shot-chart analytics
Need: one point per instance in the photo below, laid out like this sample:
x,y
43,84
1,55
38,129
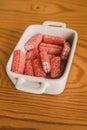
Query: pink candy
x,y
55,67
33,42
28,70
45,59
53,40
18,62
46,56
51,49
66,51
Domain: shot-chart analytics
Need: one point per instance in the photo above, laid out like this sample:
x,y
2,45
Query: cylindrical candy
x,y
51,49
65,51
55,67
33,42
45,59
28,70
18,62
53,40
37,67
46,56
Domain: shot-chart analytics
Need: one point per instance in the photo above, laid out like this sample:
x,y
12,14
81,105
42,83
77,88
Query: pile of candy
x,y
46,56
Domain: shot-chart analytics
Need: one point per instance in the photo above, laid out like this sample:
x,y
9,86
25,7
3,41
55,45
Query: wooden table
x,y
25,111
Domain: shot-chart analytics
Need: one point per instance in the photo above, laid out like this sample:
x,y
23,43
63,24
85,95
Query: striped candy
x,y
46,56
18,62
53,40
51,49
33,42
45,59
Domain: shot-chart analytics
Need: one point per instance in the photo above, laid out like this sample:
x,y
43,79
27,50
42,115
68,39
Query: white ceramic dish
x,y
41,85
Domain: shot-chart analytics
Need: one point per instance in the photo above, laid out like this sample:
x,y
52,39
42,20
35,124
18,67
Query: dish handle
x,y
54,24
41,88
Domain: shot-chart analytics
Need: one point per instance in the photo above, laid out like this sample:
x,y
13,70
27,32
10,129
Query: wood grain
x,y
25,111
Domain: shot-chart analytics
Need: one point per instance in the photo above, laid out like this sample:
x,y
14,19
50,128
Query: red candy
x,y
53,40
28,70
55,67
51,49
18,62
46,56
33,42
45,61
38,70
66,51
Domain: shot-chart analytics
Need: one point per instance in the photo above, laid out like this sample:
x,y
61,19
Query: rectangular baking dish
x,y
36,84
